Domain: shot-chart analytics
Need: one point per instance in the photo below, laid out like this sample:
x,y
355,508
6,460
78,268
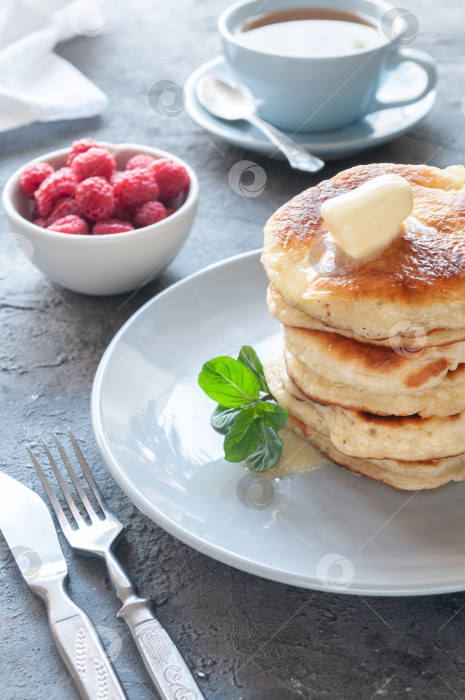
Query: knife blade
x,y
28,529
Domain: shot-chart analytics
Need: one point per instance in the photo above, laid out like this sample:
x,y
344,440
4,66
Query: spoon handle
x,y
298,157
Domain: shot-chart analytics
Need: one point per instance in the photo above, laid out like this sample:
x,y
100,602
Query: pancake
x,y
291,316
360,434
378,370
288,395
408,475
445,399
418,280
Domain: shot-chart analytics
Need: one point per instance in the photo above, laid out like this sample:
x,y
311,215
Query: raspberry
x,y
135,187
78,147
95,162
32,176
172,178
59,184
40,221
169,211
122,212
111,226
140,161
95,197
65,171
149,213
64,206
70,224
115,176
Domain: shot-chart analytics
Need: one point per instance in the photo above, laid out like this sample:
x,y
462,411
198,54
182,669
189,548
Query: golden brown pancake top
x,y
423,261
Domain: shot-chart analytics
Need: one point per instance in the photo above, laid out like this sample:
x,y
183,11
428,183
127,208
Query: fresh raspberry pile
x,y
89,194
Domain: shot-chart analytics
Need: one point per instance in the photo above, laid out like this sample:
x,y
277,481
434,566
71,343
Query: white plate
x,y
373,130
328,529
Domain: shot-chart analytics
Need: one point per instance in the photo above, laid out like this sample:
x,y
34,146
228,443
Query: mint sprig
x,y
247,414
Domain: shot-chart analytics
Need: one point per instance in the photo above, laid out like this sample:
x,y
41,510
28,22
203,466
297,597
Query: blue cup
x,y
317,93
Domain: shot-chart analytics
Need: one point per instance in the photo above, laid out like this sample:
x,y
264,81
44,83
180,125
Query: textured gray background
x,y
244,637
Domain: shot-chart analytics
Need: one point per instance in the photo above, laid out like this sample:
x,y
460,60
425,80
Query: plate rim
x,y
328,148
196,541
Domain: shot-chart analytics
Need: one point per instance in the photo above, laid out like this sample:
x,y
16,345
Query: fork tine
x,y
62,519
88,474
64,488
77,484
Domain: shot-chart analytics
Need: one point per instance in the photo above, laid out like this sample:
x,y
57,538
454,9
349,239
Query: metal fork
x,y
162,659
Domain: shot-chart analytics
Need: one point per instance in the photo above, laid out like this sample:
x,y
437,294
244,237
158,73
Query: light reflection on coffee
x,y
309,32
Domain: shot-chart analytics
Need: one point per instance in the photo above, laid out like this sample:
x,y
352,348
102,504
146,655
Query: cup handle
x,y
428,64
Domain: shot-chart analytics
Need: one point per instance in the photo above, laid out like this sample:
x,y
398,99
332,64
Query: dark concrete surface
x,y
243,636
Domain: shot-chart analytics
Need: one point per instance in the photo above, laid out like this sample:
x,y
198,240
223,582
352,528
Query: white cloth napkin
x,y
35,83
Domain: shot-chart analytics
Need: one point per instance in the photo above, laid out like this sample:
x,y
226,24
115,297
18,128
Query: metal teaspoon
x,y
227,101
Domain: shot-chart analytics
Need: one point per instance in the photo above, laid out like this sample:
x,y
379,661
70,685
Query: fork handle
x,y
163,661
81,649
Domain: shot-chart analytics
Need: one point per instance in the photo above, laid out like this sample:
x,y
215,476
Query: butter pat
x,y
365,220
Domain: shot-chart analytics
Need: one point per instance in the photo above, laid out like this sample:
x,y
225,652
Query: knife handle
x,y
82,651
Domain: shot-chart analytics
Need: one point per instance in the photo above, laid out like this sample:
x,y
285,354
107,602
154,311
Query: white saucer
x,y
374,129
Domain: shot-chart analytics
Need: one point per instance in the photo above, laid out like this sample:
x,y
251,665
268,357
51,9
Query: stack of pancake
x,y
372,364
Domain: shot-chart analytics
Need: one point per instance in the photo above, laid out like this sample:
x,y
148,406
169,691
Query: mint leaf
x,y
275,416
245,415
222,418
244,435
268,451
250,359
229,382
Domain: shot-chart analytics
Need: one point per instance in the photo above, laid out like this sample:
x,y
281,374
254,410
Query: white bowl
x,y
108,264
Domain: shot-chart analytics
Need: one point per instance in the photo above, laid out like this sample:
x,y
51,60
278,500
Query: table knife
x,y
28,528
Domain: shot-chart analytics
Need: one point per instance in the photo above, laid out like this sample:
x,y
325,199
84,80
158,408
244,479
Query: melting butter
x,y
298,456
364,221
